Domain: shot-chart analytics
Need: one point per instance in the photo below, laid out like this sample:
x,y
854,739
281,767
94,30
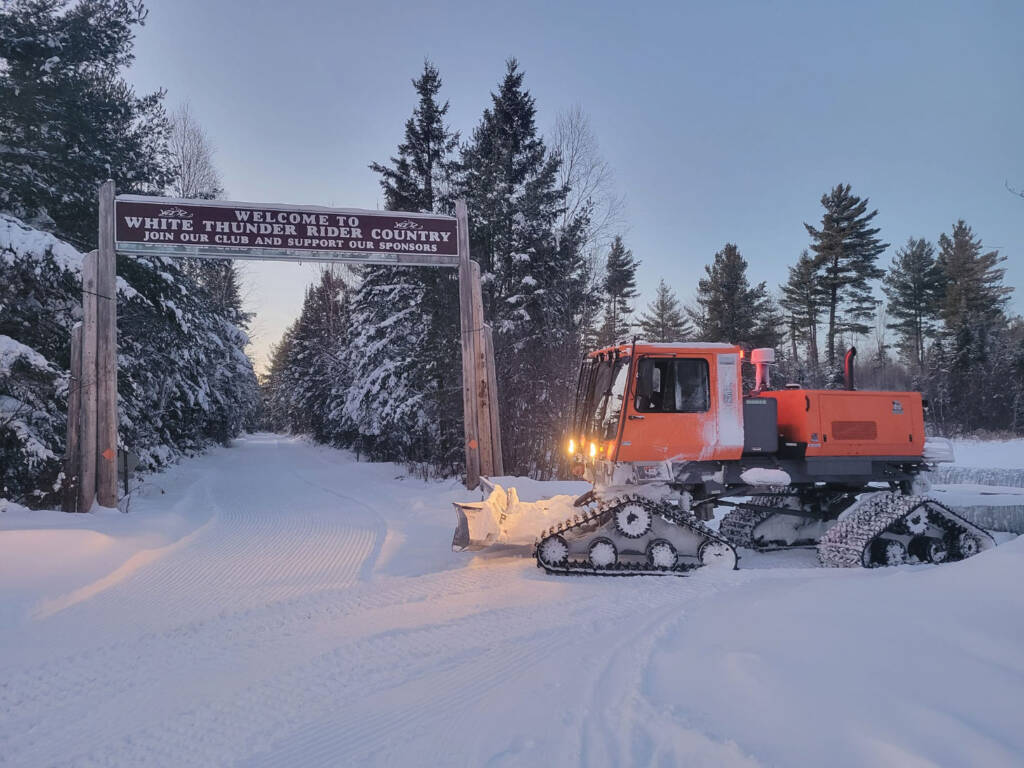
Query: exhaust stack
x,y
762,358
851,353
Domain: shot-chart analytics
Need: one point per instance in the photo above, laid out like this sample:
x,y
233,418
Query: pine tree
x,y
729,309
69,120
847,248
664,321
405,398
975,379
914,287
802,298
973,281
619,288
529,268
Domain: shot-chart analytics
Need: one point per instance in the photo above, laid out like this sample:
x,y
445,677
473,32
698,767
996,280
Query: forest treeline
x,y
373,364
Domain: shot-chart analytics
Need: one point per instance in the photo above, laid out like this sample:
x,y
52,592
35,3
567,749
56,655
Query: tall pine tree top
x,y
619,287
847,247
664,322
420,177
974,287
729,309
914,287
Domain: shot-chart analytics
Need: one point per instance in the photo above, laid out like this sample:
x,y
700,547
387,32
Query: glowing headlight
x,y
593,450
572,447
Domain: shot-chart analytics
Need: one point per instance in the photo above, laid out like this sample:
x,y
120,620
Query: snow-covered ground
x,y
277,603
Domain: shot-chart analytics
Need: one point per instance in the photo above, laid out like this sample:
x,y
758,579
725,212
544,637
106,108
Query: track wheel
x,y
917,521
553,550
968,545
929,550
938,551
602,553
887,552
661,554
717,554
633,520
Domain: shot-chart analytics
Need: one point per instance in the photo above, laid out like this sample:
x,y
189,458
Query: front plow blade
x,y
463,539
503,519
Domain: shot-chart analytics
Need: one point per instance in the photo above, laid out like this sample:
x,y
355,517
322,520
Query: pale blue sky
x,y
723,121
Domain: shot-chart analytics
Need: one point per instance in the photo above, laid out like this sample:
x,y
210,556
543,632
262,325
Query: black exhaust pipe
x,y
851,353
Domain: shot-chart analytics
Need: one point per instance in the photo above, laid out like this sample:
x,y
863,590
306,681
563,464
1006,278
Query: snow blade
x,y
502,518
461,541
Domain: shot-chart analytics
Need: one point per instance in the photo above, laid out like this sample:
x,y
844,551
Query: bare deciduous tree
x,y
195,175
589,178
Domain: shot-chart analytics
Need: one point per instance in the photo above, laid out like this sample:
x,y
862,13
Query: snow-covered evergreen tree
x,y
183,376
69,120
529,268
729,309
664,320
405,397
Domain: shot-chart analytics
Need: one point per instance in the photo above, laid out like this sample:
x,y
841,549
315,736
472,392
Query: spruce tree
x,y
619,288
802,299
529,268
914,287
729,309
847,248
405,398
69,119
664,321
973,289
975,380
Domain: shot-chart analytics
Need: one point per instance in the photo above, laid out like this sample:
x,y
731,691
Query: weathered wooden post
x,y
481,386
87,387
495,416
469,400
106,353
73,450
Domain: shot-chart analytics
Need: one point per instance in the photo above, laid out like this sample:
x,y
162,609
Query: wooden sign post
x,y
106,353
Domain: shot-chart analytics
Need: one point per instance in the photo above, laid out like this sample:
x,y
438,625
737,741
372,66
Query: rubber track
x,y
739,524
603,516
845,544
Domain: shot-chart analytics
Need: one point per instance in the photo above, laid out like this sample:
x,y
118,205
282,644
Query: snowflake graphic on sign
x,y
175,213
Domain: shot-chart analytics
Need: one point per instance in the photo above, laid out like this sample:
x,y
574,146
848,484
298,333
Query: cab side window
x,y
673,385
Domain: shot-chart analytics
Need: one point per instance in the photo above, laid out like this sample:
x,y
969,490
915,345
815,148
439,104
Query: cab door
x,y
676,409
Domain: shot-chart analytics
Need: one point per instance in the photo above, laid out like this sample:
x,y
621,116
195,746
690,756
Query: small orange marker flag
x,y
108,454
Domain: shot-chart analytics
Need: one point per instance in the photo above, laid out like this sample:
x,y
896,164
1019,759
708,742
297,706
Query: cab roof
x,y
652,348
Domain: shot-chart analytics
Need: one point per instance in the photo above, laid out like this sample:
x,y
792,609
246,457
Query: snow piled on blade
x,y
502,518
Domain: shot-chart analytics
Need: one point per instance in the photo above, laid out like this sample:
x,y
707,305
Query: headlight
x,y
593,450
572,447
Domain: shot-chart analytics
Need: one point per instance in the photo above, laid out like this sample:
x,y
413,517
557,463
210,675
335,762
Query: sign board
x,y
218,229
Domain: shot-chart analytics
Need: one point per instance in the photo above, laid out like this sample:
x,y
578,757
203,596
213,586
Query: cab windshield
x,y
600,394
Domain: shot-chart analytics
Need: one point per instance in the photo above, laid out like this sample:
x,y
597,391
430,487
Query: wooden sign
x,y
219,229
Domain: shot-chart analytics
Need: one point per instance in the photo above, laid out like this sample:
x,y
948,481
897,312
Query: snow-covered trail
x,y
311,613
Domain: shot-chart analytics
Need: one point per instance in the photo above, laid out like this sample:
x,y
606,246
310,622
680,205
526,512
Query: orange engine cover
x,y
851,423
